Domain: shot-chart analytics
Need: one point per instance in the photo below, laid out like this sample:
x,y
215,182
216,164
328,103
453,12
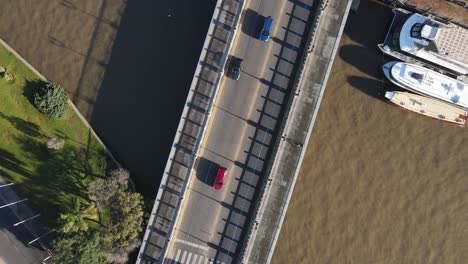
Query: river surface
x,y
378,184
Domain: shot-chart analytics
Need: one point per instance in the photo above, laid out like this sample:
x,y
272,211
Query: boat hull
x,y
428,107
432,84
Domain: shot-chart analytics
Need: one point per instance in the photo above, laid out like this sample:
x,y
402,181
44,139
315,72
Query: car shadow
x,y
206,170
252,23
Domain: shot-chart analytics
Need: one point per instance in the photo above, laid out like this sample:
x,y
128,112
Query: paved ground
x,y
240,134
14,248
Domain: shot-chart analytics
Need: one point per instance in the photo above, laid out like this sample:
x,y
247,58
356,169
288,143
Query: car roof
x,y
222,170
268,23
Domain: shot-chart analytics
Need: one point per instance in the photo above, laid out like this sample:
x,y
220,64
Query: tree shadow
x,y
9,161
29,128
58,175
62,135
30,88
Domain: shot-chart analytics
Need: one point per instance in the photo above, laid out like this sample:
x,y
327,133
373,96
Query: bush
x,y
51,100
55,143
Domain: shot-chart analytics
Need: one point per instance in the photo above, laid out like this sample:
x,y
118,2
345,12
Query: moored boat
x,y
417,37
427,82
428,107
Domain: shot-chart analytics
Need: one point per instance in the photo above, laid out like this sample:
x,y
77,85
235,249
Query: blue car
x,y
266,30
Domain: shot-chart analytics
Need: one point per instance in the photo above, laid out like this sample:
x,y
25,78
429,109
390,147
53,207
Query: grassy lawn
x,y
50,179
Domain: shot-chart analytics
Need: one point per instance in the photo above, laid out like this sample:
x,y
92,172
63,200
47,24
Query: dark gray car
x,y
236,68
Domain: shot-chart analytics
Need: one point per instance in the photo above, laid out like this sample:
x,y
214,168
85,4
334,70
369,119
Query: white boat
x,y
428,107
421,37
427,82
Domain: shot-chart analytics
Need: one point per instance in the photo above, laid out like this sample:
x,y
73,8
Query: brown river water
x,y
378,184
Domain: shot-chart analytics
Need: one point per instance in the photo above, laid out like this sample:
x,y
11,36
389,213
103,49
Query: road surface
x,y
14,248
240,134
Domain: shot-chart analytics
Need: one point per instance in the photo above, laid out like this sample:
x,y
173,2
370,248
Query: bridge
x,y
256,127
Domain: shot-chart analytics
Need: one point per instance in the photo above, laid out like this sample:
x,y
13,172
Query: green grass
x,y
49,179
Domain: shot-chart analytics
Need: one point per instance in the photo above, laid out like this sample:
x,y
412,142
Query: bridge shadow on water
x,y
147,81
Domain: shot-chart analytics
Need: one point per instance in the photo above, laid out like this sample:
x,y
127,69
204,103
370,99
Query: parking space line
x,y
177,256
182,260
189,257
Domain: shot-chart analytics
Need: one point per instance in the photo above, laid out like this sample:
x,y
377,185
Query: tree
x,y
83,248
51,100
120,234
77,219
120,255
126,219
122,176
103,192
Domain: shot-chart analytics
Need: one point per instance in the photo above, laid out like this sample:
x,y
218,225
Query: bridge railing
x,y
190,132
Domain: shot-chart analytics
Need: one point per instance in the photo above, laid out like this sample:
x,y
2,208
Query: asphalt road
x,y
14,248
240,133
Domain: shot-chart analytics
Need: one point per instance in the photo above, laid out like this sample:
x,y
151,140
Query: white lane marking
x,y
200,261
177,256
207,260
192,244
183,257
195,259
189,257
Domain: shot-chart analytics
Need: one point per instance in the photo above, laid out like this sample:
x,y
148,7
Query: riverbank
x,y
126,64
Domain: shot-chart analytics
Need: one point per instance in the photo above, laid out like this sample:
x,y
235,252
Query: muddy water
x,y
378,184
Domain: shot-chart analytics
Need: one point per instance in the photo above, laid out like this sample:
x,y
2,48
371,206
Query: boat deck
x,y
453,43
431,83
428,107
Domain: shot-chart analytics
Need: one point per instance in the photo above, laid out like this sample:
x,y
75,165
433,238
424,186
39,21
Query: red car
x,y
219,181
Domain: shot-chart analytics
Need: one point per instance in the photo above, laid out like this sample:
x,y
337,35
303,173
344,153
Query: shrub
x,y
55,143
9,77
51,100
